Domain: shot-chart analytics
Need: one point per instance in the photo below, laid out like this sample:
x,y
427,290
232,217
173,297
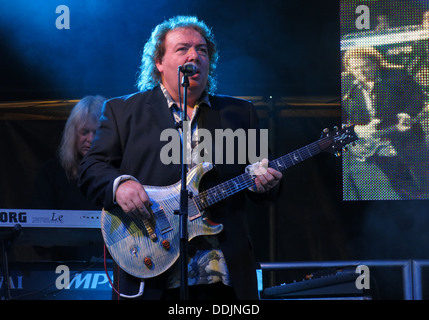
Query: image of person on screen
x,y
56,181
417,64
127,155
390,159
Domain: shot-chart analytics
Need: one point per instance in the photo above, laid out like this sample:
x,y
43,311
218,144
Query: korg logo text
x,y
13,217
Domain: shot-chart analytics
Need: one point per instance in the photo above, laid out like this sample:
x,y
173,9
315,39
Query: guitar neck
x,y
230,187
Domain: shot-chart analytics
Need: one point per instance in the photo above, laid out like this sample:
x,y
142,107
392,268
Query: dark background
x,y
284,55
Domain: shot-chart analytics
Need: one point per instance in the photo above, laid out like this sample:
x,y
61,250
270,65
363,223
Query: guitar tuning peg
x,y
336,128
337,154
326,130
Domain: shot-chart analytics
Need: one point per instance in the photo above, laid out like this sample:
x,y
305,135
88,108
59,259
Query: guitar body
x,y
366,148
371,140
147,248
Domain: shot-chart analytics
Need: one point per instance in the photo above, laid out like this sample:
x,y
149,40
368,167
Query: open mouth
x,y
197,74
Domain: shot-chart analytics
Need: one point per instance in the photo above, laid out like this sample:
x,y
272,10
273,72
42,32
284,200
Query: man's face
x,y
85,135
363,69
184,45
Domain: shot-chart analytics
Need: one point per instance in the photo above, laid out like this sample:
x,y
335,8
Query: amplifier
x,y
57,281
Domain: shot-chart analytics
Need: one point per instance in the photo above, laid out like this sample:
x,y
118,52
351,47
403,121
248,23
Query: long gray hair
x,y
88,109
154,51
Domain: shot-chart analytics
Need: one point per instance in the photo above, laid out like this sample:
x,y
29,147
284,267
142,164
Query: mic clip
x,y
188,69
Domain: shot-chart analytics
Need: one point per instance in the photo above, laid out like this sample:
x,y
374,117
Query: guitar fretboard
x,y
223,190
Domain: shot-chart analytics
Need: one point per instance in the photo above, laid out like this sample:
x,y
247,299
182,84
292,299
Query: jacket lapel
x,y
157,105
209,117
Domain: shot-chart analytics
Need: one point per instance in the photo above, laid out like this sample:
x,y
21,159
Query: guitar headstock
x,y
335,141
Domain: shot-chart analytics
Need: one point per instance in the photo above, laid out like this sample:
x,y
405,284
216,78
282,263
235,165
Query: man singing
x,y
126,155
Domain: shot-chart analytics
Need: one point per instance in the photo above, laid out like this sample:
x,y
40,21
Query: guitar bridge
x,y
149,228
159,220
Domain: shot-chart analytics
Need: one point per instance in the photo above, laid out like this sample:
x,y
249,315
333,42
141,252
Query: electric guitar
x,y
147,248
371,139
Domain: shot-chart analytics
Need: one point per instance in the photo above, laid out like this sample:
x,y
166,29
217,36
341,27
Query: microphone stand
x,y
184,196
6,243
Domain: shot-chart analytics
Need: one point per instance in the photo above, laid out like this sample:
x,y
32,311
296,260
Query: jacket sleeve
x,y
101,165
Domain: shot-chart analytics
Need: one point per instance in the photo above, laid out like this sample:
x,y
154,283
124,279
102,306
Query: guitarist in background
x,y
126,154
390,160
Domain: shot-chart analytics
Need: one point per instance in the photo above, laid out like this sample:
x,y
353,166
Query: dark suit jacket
x,y
128,142
394,92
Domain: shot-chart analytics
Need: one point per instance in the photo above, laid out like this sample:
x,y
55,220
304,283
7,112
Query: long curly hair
x,y
154,50
368,53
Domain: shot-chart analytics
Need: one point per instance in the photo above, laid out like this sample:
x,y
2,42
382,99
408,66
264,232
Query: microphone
x,y
188,69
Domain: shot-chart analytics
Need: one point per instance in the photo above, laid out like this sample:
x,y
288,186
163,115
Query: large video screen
x,y
385,96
